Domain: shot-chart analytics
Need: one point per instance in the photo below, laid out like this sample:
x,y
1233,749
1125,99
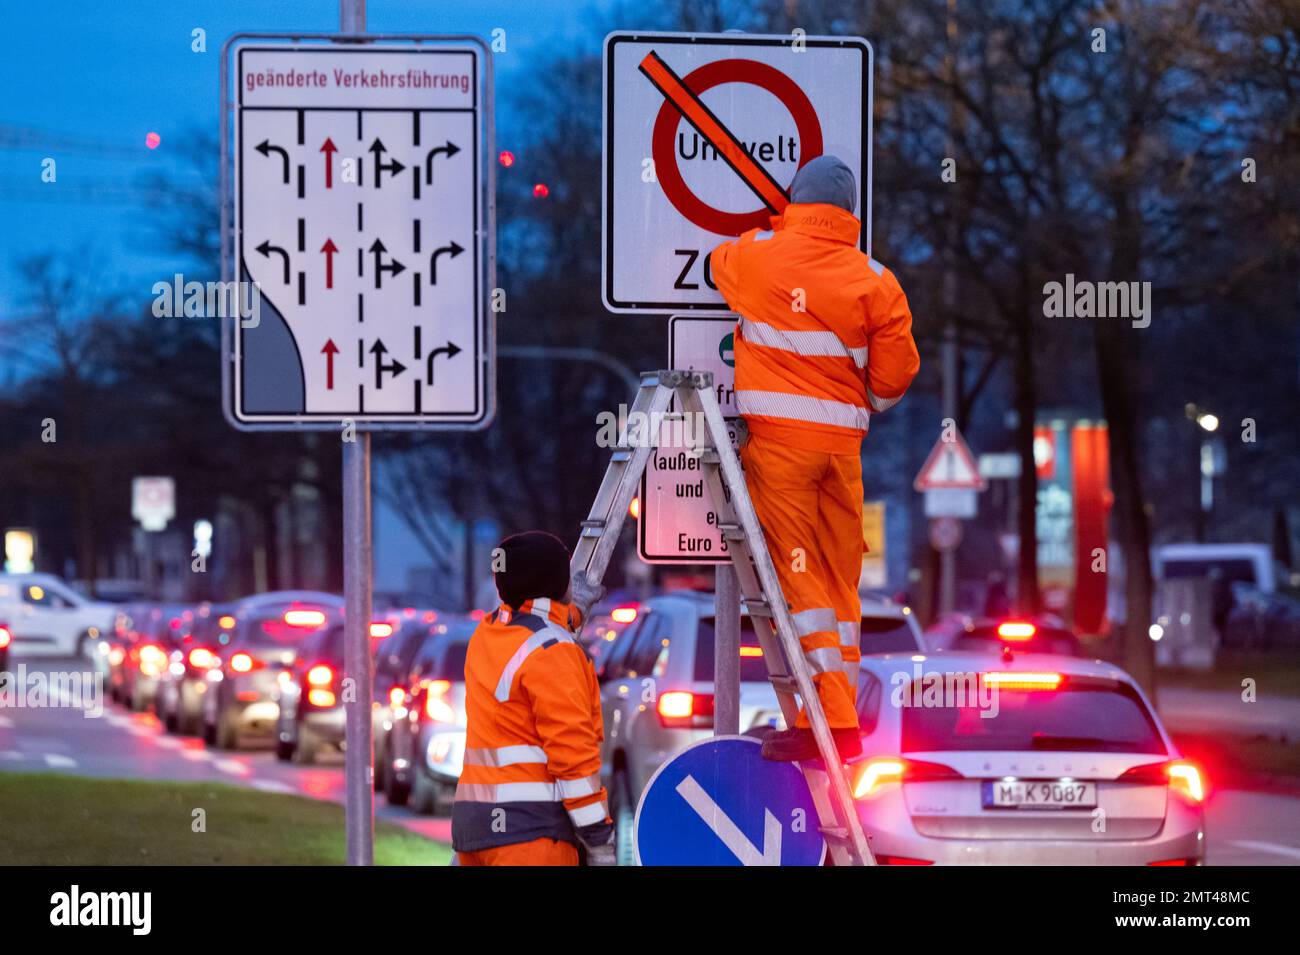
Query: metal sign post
x,y
357,169
358,583
726,651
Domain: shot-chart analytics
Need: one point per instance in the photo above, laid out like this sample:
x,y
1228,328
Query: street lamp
x,y
1211,463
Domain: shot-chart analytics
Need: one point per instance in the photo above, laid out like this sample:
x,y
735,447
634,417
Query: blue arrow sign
x,y
719,802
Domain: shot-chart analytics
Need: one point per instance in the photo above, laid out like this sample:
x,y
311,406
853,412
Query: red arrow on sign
x,y
329,351
329,248
329,149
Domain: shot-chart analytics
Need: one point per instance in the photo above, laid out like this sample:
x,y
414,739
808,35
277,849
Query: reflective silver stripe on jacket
x,y
577,788
811,344
825,660
816,620
850,636
882,404
780,404
542,607
505,755
545,635
506,792
587,815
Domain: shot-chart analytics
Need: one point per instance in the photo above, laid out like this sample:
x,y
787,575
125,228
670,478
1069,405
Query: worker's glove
x,y
585,593
598,840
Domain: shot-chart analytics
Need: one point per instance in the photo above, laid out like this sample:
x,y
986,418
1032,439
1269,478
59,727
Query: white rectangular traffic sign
x,y
362,215
678,523
703,134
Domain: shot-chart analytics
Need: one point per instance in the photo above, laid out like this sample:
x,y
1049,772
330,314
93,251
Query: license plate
x,y
1039,794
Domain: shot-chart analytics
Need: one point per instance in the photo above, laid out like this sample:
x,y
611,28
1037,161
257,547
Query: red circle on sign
x,y
698,82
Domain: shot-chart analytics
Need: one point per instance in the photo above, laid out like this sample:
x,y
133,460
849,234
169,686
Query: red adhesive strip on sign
x,y
719,137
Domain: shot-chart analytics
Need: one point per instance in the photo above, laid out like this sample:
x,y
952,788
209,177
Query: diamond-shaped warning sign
x,y
950,465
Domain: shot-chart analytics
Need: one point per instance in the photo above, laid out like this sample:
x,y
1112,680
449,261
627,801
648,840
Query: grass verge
x,y
51,819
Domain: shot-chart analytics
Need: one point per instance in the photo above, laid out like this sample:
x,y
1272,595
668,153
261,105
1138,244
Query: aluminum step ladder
x,y
759,586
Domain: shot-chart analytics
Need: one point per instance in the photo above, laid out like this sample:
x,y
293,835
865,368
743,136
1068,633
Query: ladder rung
x,y
732,532
783,682
835,833
758,607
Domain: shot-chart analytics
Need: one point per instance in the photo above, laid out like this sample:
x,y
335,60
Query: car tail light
x,y
1174,862
320,675
875,773
243,663
304,618
381,629
319,696
152,659
201,658
1016,631
116,655
902,860
226,622
1179,775
436,706
680,708
6,637
751,651
625,614
396,696
1025,680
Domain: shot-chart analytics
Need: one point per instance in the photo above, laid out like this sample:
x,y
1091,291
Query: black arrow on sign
x,y
450,150
265,147
394,167
451,351
393,265
394,367
454,250
266,248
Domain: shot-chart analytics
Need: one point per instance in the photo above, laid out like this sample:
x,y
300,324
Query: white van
x,y
49,618
1238,563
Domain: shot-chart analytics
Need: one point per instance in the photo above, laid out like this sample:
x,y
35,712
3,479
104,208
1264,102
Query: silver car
x,y
1025,759
657,689
243,699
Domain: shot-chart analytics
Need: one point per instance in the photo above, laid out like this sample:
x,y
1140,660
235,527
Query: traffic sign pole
x,y
358,758
726,651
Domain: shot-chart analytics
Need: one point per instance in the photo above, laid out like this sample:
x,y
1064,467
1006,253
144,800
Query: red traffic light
x,y
540,191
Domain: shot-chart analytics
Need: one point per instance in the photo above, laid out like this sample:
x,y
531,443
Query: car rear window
x,y
451,663
752,667
887,635
1076,717
1044,640
274,632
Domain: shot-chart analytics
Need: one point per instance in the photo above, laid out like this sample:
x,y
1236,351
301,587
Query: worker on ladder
x,y
530,790
824,339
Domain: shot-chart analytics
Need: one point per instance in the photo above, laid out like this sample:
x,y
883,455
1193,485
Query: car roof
x,y
871,606
289,596
886,665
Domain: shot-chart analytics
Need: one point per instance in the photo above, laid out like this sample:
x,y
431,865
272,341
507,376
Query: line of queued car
x,y
1042,755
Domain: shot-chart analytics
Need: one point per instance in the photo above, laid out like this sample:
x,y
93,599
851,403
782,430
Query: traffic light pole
x,y
358,757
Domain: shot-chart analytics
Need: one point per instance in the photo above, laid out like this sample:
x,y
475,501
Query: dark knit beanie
x,y
535,564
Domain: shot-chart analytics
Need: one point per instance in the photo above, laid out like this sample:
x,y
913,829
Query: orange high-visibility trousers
x,y
535,852
810,506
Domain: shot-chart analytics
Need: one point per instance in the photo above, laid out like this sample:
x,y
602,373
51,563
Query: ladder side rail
x,y
624,491
601,508
699,397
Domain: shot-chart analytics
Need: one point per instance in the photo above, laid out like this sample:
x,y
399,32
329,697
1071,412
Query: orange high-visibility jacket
x,y
825,334
532,744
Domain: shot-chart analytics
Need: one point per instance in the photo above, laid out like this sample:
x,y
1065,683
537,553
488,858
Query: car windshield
x,y
887,635
1082,717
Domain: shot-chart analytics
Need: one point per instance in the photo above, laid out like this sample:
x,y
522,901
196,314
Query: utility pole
x,y
951,359
358,759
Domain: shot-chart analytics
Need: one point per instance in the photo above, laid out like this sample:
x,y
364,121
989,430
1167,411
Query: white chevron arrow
x,y
729,832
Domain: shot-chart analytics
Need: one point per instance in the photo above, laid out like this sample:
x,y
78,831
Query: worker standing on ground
x,y
824,339
530,790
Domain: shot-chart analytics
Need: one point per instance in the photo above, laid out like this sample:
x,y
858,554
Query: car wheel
x,y
423,794
284,750
304,754
381,769
226,735
397,792
137,702
209,734
624,815
171,723
81,646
